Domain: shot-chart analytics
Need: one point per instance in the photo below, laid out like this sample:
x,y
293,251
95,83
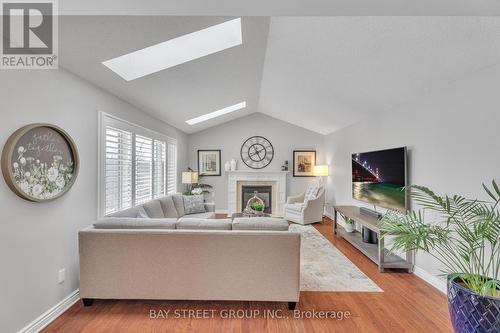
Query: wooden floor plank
x,y
408,304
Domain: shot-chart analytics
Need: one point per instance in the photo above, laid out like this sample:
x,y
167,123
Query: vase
x,y
471,312
233,164
227,166
349,227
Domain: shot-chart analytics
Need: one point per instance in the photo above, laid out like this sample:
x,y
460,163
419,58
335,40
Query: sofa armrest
x,y
313,210
209,207
295,199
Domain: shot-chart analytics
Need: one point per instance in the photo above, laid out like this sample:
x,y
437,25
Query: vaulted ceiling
x,y
321,73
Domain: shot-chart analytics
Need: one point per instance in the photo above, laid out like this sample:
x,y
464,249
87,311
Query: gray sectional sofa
x,y
169,255
171,206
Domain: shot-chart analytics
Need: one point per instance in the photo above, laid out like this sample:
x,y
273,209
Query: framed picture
x,y
209,162
40,162
303,163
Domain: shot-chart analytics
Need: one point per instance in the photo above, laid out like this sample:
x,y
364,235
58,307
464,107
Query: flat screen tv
x,y
379,178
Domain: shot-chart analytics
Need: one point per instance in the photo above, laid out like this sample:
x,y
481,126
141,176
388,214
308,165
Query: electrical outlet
x,y
61,276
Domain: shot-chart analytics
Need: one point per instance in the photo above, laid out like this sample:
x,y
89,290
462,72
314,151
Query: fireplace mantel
x,y
257,177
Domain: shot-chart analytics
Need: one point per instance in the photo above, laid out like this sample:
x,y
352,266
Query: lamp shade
x,y
321,170
189,177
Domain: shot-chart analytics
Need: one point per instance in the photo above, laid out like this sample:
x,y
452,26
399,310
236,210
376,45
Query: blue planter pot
x,y
470,312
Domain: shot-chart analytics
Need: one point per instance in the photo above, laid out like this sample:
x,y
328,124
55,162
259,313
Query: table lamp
x,y
189,178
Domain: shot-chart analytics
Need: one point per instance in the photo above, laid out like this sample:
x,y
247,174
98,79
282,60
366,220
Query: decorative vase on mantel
x,y
233,164
227,166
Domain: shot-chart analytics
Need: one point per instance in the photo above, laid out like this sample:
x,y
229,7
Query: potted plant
x,y
349,224
200,188
466,241
258,207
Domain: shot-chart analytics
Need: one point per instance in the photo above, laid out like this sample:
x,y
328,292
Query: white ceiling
x,y
321,73
176,94
327,73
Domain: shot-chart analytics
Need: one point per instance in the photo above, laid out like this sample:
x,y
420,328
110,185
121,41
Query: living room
x,y
223,168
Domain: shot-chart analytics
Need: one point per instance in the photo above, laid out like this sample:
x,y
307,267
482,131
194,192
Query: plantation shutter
x,y
117,170
143,169
160,169
172,167
136,165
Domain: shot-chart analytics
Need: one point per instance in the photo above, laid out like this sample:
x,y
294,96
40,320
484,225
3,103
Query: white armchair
x,y
299,210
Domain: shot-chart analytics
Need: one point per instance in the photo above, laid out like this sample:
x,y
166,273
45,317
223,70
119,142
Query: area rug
x,y
324,268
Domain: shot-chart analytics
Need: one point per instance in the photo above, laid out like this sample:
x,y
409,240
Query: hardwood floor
x,y
408,304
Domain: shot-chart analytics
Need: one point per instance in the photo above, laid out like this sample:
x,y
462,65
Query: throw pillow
x,y
311,193
168,206
179,204
141,213
193,204
153,209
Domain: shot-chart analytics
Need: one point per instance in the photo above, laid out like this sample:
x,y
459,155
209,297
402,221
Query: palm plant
x,y
465,238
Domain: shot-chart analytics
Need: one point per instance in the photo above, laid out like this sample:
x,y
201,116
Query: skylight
x,y
177,51
217,113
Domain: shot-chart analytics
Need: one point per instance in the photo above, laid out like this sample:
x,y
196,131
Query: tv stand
x,y
375,252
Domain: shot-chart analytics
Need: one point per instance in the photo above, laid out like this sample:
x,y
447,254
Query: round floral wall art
x,y
40,162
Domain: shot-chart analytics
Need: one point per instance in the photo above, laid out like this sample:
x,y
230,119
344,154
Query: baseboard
x,y
222,211
431,279
49,316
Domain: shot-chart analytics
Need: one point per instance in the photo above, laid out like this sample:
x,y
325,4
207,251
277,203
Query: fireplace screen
x,y
263,192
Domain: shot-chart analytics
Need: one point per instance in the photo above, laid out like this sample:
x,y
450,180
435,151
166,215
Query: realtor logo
x,y
29,35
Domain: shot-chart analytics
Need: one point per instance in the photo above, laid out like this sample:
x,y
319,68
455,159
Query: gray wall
x,y
38,239
452,137
230,136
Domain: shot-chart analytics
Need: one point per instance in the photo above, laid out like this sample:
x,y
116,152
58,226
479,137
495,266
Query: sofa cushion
x,y
167,204
260,223
179,204
141,213
130,212
153,209
134,223
204,224
207,215
296,207
194,204
311,193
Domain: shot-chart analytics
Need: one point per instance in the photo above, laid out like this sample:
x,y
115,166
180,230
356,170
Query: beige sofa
x,y
248,259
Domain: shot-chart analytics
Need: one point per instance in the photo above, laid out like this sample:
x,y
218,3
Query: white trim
x,y
100,152
129,123
50,315
431,279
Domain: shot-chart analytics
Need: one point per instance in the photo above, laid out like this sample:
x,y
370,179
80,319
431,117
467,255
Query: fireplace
x,y
263,192
276,180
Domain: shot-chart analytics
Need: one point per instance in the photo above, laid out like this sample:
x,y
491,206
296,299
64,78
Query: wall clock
x,y
40,162
257,152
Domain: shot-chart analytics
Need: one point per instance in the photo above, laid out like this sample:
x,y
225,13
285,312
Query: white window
x,y
172,168
160,167
136,165
118,169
